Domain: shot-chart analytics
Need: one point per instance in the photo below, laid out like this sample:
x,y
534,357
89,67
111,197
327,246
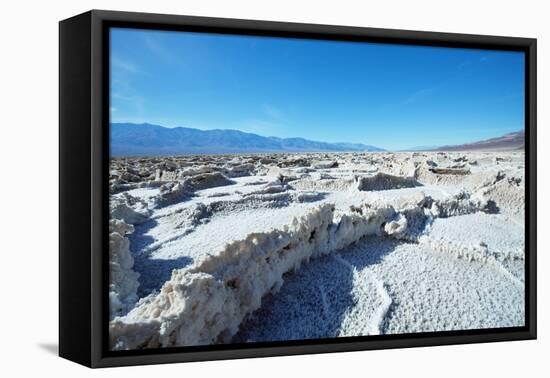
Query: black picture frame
x,y
83,195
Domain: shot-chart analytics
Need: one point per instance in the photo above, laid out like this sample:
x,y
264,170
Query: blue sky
x,y
391,96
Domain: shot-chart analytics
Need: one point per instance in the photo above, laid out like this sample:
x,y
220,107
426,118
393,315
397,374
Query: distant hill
x,y
507,142
129,139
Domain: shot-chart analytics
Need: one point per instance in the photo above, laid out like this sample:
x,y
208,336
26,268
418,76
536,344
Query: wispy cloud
x,y
125,99
424,93
420,95
124,65
131,98
272,111
158,50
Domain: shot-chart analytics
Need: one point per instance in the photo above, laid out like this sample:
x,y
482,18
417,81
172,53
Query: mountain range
x,y
130,139
506,142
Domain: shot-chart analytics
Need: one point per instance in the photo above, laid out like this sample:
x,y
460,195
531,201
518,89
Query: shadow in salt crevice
x,y
314,301
139,239
155,272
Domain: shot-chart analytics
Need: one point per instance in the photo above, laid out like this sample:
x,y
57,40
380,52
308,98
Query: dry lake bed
x,y
263,247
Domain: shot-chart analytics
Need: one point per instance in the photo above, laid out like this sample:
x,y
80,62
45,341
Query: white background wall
x,y
29,189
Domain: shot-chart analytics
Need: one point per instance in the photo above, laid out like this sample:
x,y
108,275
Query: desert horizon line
x,y
426,147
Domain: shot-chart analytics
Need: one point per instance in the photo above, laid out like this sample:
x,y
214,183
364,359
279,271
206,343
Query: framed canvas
x,y
235,188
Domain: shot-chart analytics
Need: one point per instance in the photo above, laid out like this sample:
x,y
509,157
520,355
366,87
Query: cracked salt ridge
x,y
205,240
384,286
159,248
503,238
318,301
489,238
434,291
123,280
207,302
356,303
362,320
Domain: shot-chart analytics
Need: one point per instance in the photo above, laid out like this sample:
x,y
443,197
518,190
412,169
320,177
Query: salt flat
x,y
261,247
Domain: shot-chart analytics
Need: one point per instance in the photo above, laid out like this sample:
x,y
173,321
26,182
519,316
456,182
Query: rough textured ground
x,y
241,248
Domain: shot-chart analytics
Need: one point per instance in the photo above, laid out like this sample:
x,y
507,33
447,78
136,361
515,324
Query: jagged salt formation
x,y
117,187
123,280
175,191
385,181
371,182
130,209
207,302
508,195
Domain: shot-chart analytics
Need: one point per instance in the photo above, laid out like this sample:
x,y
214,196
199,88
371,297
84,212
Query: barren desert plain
x,y
208,249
